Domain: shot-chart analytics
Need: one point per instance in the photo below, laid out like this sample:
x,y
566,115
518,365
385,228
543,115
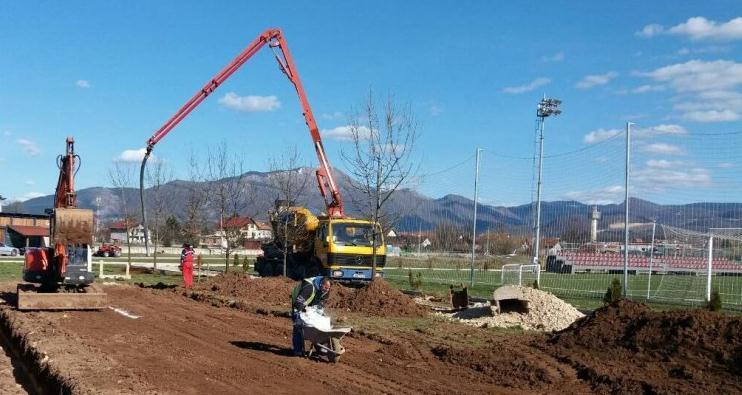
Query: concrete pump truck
x,y
331,244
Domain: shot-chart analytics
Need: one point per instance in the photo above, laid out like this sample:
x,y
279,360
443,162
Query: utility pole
x,y
474,225
626,215
546,107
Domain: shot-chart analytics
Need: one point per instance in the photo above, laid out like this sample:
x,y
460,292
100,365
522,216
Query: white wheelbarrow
x,y
325,343
325,339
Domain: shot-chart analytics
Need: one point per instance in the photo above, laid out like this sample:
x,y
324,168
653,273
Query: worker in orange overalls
x,y
186,265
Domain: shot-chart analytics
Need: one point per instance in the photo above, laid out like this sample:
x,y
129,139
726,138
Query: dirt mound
x,y
377,298
509,366
628,347
250,289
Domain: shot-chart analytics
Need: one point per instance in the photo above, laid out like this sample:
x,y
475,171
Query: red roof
x,y
236,222
30,231
121,224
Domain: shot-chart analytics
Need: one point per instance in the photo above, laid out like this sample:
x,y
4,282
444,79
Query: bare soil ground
x,y
8,383
222,338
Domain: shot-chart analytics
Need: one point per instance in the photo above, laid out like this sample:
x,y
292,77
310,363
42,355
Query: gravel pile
x,y
546,313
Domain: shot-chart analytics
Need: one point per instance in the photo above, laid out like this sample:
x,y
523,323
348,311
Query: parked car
x,y
7,250
106,250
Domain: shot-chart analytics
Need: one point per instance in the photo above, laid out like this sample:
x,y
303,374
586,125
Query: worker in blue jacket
x,y
312,291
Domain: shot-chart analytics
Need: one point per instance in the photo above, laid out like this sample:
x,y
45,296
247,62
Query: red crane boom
x,y
274,38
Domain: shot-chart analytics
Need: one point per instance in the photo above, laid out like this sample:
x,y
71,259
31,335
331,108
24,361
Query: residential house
x,y
136,232
251,232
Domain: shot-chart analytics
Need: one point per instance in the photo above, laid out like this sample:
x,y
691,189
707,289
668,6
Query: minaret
x,y
594,217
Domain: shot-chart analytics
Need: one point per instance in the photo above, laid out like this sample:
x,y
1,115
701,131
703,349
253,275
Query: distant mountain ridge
x,y
418,212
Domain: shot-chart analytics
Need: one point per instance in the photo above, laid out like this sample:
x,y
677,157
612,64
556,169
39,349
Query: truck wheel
x,y
106,254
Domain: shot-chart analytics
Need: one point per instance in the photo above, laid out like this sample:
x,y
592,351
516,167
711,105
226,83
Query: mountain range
x,y
416,212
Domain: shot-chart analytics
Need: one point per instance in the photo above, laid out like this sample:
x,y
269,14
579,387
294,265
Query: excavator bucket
x,y
33,297
509,298
72,226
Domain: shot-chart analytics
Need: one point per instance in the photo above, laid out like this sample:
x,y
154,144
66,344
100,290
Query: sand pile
x,y
546,313
631,347
377,298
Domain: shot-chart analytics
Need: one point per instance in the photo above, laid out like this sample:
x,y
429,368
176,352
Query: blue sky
x,y
110,73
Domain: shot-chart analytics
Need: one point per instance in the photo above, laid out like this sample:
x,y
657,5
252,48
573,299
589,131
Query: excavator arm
x,y
275,40
65,196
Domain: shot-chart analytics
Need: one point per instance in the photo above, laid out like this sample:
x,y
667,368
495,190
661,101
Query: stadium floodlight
x,y
546,107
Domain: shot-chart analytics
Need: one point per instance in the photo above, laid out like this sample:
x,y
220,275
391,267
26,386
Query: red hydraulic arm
x,y
65,196
274,38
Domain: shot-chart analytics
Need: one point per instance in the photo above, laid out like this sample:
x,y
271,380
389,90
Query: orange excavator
x,y
60,277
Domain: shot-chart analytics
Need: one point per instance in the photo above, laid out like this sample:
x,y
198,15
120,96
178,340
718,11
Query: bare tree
x,y
157,176
380,161
195,201
229,194
121,176
288,177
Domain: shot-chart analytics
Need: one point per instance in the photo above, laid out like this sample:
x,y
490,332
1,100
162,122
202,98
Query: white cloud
x,y
334,116
607,195
664,164
29,182
660,180
727,165
557,57
29,195
29,146
663,129
712,49
541,81
663,148
712,116
345,133
650,31
236,102
435,110
595,80
84,84
698,75
707,90
599,135
133,156
648,88
700,28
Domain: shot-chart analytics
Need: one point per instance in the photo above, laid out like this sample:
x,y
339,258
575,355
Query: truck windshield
x,y
354,234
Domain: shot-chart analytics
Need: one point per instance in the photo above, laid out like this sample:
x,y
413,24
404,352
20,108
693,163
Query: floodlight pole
x,y
626,215
474,225
546,107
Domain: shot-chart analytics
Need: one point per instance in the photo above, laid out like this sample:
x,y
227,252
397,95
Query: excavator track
x,y
31,297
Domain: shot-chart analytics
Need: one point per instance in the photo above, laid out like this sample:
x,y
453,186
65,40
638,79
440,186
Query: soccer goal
x,y
517,274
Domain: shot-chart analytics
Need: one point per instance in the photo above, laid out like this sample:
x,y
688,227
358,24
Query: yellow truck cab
x,y
341,248
345,249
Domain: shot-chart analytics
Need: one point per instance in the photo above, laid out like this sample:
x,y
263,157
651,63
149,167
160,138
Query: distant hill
x,y
419,212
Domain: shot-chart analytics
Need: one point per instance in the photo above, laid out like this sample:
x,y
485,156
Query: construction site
x,y
346,273
232,335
